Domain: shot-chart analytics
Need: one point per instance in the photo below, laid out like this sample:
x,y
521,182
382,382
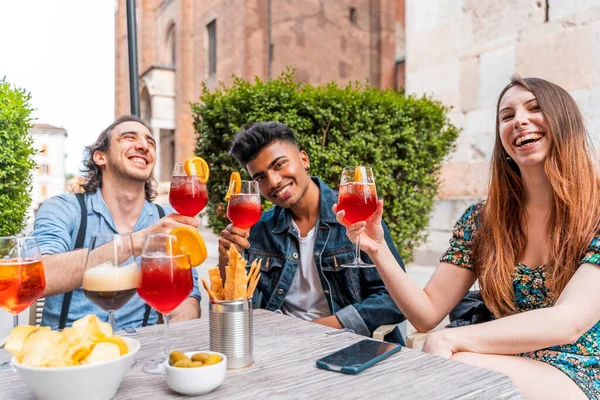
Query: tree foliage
x,y
16,158
403,138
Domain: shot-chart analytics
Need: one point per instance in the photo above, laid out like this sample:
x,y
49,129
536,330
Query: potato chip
x,y
43,347
123,348
93,327
17,338
89,340
102,351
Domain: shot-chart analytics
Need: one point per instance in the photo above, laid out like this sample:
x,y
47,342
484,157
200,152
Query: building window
x,y
211,30
170,47
44,191
44,149
353,15
44,169
400,74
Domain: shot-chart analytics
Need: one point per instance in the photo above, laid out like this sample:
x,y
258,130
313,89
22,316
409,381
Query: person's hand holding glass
x,y
188,194
111,274
358,201
22,278
166,280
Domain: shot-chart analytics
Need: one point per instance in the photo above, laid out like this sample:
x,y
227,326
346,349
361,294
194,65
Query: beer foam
x,y
106,277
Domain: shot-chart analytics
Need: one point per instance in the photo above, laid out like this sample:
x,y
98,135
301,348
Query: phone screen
x,y
359,353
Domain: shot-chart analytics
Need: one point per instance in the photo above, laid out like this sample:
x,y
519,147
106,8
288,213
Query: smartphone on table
x,y
358,356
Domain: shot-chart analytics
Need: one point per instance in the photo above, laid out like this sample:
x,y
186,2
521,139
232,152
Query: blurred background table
x,y
285,350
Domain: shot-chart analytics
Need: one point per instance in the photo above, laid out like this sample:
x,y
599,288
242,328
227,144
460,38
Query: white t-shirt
x,y
306,299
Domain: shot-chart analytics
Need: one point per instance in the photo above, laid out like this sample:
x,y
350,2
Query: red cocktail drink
x,y
187,195
165,281
22,282
358,200
244,210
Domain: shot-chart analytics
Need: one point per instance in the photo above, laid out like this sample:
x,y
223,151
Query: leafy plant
x,y
16,157
403,138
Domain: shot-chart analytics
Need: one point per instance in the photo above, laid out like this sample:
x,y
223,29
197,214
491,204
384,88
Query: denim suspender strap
x,y
64,312
161,213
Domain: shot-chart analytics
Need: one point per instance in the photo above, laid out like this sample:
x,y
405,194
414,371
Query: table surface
x,y
285,350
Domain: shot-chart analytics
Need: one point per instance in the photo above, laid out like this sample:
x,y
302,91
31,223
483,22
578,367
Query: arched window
x,y
170,47
145,106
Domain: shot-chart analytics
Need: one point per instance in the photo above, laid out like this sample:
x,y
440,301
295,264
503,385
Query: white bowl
x,y
91,382
199,380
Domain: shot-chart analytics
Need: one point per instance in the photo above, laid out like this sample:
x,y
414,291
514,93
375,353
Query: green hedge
x,y
16,158
404,138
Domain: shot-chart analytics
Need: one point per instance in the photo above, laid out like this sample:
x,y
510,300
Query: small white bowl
x,y
91,382
199,380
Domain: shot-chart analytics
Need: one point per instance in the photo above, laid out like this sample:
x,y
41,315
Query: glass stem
x,y
166,317
357,258
15,320
111,320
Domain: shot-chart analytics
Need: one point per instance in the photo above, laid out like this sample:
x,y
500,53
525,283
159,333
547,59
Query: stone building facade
x,y
183,43
463,52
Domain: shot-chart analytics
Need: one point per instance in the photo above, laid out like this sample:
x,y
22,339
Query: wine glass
x,y
22,278
165,282
187,195
111,274
244,208
358,198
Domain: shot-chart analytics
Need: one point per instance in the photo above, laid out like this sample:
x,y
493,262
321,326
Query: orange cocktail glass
x,y
22,278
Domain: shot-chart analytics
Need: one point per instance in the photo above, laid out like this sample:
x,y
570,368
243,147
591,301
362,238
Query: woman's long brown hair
x,y
574,214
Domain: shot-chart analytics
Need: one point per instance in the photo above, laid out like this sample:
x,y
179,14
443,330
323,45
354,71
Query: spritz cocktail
x,y
166,280
358,198
244,208
22,278
188,194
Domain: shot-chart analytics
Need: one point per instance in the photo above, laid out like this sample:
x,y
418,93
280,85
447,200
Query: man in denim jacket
x,y
301,245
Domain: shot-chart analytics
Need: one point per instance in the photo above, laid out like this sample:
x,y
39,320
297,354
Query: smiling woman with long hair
x,y
534,246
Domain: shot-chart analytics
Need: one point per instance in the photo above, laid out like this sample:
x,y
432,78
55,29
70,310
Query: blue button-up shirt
x,y
357,296
56,227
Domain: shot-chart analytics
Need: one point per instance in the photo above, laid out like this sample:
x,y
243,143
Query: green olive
x,y
212,359
200,357
177,356
183,363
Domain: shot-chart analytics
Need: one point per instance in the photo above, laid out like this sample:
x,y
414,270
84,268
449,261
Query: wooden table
x,y
285,350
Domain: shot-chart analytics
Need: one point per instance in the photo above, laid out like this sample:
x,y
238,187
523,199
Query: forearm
x,y
413,301
332,321
519,333
64,272
189,309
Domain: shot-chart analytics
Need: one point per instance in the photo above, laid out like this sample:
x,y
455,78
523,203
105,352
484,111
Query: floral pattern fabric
x,y
580,360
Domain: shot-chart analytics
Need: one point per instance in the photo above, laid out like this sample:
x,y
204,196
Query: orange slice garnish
x,y
197,166
191,242
235,185
358,176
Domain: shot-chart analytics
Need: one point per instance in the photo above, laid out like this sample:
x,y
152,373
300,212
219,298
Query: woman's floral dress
x,y
580,360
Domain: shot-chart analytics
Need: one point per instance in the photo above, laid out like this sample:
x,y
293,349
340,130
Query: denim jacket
x,y
357,297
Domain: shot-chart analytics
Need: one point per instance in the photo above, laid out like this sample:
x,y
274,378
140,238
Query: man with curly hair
x,y
117,198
